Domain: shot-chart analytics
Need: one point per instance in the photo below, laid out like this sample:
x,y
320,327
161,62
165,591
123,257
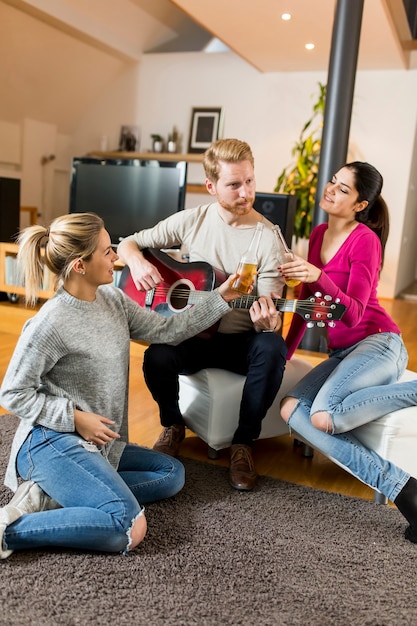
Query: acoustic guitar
x,y
186,284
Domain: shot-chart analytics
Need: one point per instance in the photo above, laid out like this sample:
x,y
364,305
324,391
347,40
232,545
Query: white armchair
x,y
210,399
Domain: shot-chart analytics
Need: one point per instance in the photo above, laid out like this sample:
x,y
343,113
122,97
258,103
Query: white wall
x,y
383,127
117,104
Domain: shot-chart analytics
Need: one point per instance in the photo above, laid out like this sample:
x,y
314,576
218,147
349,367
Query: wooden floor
x,y
275,457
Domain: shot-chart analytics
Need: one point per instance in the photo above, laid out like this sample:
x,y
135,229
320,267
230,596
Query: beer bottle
x,y
248,263
284,254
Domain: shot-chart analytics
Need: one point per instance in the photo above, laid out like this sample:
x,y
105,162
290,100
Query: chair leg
x,y
379,498
308,451
212,453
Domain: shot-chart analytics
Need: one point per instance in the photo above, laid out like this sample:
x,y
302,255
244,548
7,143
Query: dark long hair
x,y
368,183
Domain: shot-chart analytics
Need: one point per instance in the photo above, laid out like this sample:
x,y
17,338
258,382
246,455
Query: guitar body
x,y
173,295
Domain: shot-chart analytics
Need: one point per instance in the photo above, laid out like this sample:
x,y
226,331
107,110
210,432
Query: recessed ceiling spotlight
x,y
286,17
309,46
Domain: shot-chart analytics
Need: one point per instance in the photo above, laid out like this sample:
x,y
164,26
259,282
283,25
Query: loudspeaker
x,y
9,208
278,208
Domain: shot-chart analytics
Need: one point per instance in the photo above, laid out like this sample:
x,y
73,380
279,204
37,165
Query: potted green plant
x,y
300,177
173,140
157,142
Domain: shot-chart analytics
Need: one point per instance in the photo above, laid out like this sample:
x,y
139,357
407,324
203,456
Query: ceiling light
x,y
309,46
286,17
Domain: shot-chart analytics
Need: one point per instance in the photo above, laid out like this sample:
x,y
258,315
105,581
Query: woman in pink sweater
x,y
358,382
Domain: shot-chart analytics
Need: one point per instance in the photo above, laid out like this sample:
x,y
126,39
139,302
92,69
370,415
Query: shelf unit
x,y
10,250
159,156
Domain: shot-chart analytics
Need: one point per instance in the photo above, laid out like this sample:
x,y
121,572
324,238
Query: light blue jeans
x,y
99,503
356,385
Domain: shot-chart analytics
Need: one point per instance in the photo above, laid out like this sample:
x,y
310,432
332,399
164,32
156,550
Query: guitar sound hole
x,y
179,297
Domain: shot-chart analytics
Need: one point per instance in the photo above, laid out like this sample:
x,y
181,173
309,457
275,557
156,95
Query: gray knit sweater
x,y
75,354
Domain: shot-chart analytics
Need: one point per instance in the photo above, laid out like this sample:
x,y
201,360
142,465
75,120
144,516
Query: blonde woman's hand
x,y
226,290
94,428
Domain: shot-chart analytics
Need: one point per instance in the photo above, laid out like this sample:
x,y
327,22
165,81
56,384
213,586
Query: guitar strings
x,y
183,293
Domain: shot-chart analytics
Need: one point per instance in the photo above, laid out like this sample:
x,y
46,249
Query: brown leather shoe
x,y
169,440
242,468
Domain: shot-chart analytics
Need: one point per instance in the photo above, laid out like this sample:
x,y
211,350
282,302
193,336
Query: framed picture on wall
x,y
206,127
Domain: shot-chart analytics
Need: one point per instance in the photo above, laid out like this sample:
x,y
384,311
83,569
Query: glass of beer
x,y
246,278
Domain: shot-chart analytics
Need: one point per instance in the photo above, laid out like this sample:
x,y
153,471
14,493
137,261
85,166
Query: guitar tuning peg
x,y
318,294
331,324
328,298
337,300
321,324
310,324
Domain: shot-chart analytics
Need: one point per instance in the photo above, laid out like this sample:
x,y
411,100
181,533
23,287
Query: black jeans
x,y
258,356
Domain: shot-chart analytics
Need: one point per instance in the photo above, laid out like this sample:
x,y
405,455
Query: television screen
x,y
128,194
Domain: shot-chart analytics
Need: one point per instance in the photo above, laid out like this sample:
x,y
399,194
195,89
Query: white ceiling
x,y
42,42
255,31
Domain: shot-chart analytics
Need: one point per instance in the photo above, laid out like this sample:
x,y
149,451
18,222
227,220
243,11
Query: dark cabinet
x,y
9,208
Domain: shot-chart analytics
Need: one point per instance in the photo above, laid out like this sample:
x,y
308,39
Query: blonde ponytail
x,y
69,237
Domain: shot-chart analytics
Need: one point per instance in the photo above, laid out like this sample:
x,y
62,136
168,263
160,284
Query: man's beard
x,y
239,208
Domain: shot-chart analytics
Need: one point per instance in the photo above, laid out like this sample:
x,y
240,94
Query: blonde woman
x,y
84,483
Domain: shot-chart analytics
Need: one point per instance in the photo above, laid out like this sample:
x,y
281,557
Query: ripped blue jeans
x,y
356,385
99,503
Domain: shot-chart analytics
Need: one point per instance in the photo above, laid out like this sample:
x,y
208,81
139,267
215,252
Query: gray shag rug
x,y
281,555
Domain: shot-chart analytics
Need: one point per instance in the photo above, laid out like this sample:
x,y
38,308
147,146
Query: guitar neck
x,y
315,309
245,302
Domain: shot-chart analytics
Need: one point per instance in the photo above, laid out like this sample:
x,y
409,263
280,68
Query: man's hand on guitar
x,y
145,275
264,315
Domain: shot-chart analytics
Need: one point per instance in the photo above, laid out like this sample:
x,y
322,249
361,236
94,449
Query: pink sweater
x,y
352,277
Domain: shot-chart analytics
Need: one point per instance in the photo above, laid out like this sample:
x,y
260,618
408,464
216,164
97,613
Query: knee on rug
x,y
137,531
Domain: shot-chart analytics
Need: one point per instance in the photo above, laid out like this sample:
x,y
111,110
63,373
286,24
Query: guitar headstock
x,y
320,310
